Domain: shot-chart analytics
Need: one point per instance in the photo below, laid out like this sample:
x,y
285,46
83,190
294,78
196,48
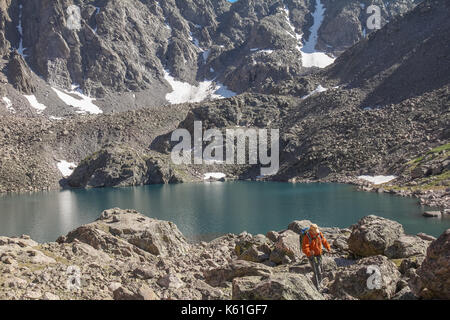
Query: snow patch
x,y
319,89
66,168
9,106
214,175
222,92
377,179
82,102
316,59
266,51
183,92
311,57
34,103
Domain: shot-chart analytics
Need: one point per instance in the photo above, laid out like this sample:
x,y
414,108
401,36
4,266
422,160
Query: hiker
x,y
311,242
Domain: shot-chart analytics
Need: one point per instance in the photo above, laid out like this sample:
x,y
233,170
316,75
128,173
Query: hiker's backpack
x,y
305,232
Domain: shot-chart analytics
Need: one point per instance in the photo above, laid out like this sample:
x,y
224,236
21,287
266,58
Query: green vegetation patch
x,y
444,147
442,151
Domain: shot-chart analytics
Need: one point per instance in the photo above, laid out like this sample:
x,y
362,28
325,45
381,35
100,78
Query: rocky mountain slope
x,y
126,255
131,54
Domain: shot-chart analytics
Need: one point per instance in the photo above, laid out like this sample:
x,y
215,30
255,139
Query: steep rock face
x,y
416,53
5,20
244,45
433,276
345,23
94,54
123,167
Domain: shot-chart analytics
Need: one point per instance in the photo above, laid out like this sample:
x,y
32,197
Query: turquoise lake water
x,y
208,210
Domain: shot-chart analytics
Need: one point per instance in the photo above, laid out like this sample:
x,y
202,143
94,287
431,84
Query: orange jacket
x,y
314,247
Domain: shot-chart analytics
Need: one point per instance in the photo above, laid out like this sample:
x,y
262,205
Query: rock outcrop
x,y
407,246
433,276
373,235
159,238
19,75
372,278
124,166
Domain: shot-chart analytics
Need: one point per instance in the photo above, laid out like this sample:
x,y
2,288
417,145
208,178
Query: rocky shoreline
x,y
126,255
431,198
439,198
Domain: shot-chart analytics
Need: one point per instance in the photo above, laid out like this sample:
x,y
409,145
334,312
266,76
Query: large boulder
x,y
298,225
135,292
337,238
280,286
287,248
372,278
407,246
253,248
411,263
118,229
405,294
235,269
372,235
254,254
170,281
433,276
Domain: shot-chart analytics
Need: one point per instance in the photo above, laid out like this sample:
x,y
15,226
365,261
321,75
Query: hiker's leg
x,y
320,266
311,262
314,268
319,271
319,263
